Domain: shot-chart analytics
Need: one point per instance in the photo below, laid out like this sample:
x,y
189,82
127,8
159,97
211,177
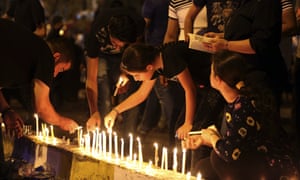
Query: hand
x,y
13,123
109,119
207,135
94,121
122,85
192,142
182,131
67,124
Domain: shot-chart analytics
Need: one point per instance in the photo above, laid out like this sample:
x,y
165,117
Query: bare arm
x,y
172,32
289,23
189,87
189,20
92,93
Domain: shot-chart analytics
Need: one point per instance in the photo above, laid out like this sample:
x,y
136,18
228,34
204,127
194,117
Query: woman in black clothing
x,y
176,62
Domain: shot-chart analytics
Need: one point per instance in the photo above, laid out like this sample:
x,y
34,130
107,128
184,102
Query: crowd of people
x,y
140,70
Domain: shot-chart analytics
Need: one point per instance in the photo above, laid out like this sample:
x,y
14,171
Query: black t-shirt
x,y
98,39
23,56
177,56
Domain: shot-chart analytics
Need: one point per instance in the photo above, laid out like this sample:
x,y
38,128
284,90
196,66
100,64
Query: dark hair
x,y
64,46
137,56
232,68
123,28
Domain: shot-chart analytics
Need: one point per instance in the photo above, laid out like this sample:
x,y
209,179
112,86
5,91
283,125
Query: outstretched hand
x,y
94,121
109,119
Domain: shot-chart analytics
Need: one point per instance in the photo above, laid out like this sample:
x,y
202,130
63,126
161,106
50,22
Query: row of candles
x,y
97,145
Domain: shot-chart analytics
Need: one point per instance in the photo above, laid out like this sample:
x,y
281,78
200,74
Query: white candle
x,y
100,143
140,151
163,158
104,143
52,131
188,175
109,141
175,159
87,142
183,160
166,159
116,145
122,148
156,154
94,142
79,136
199,176
97,140
36,123
130,146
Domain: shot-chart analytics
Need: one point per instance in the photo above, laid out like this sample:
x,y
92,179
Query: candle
x,y
104,143
36,123
87,142
140,151
120,81
188,176
99,143
116,145
166,159
52,131
122,148
109,141
130,145
94,142
199,176
96,139
175,159
183,160
79,136
156,154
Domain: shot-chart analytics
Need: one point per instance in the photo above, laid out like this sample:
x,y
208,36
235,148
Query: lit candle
x,y
156,154
199,176
130,145
120,81
104,143
52,131
79,136
96,139
100,143
116,145
36,123
164,159
122,148
188,175
140,151
87,142
175,159
94,142
109,141
183,160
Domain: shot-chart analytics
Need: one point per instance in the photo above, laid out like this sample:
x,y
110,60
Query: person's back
x,y
155,13
21,66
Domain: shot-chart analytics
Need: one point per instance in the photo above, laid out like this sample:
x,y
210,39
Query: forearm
x,y
241,46
92,98
190,106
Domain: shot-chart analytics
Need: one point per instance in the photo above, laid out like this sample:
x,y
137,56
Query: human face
x,y
118,44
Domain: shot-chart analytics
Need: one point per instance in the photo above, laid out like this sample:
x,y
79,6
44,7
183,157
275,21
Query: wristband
x,y
6,111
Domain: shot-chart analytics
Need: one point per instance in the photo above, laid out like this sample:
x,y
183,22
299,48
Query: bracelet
x,y
6,111
114,109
